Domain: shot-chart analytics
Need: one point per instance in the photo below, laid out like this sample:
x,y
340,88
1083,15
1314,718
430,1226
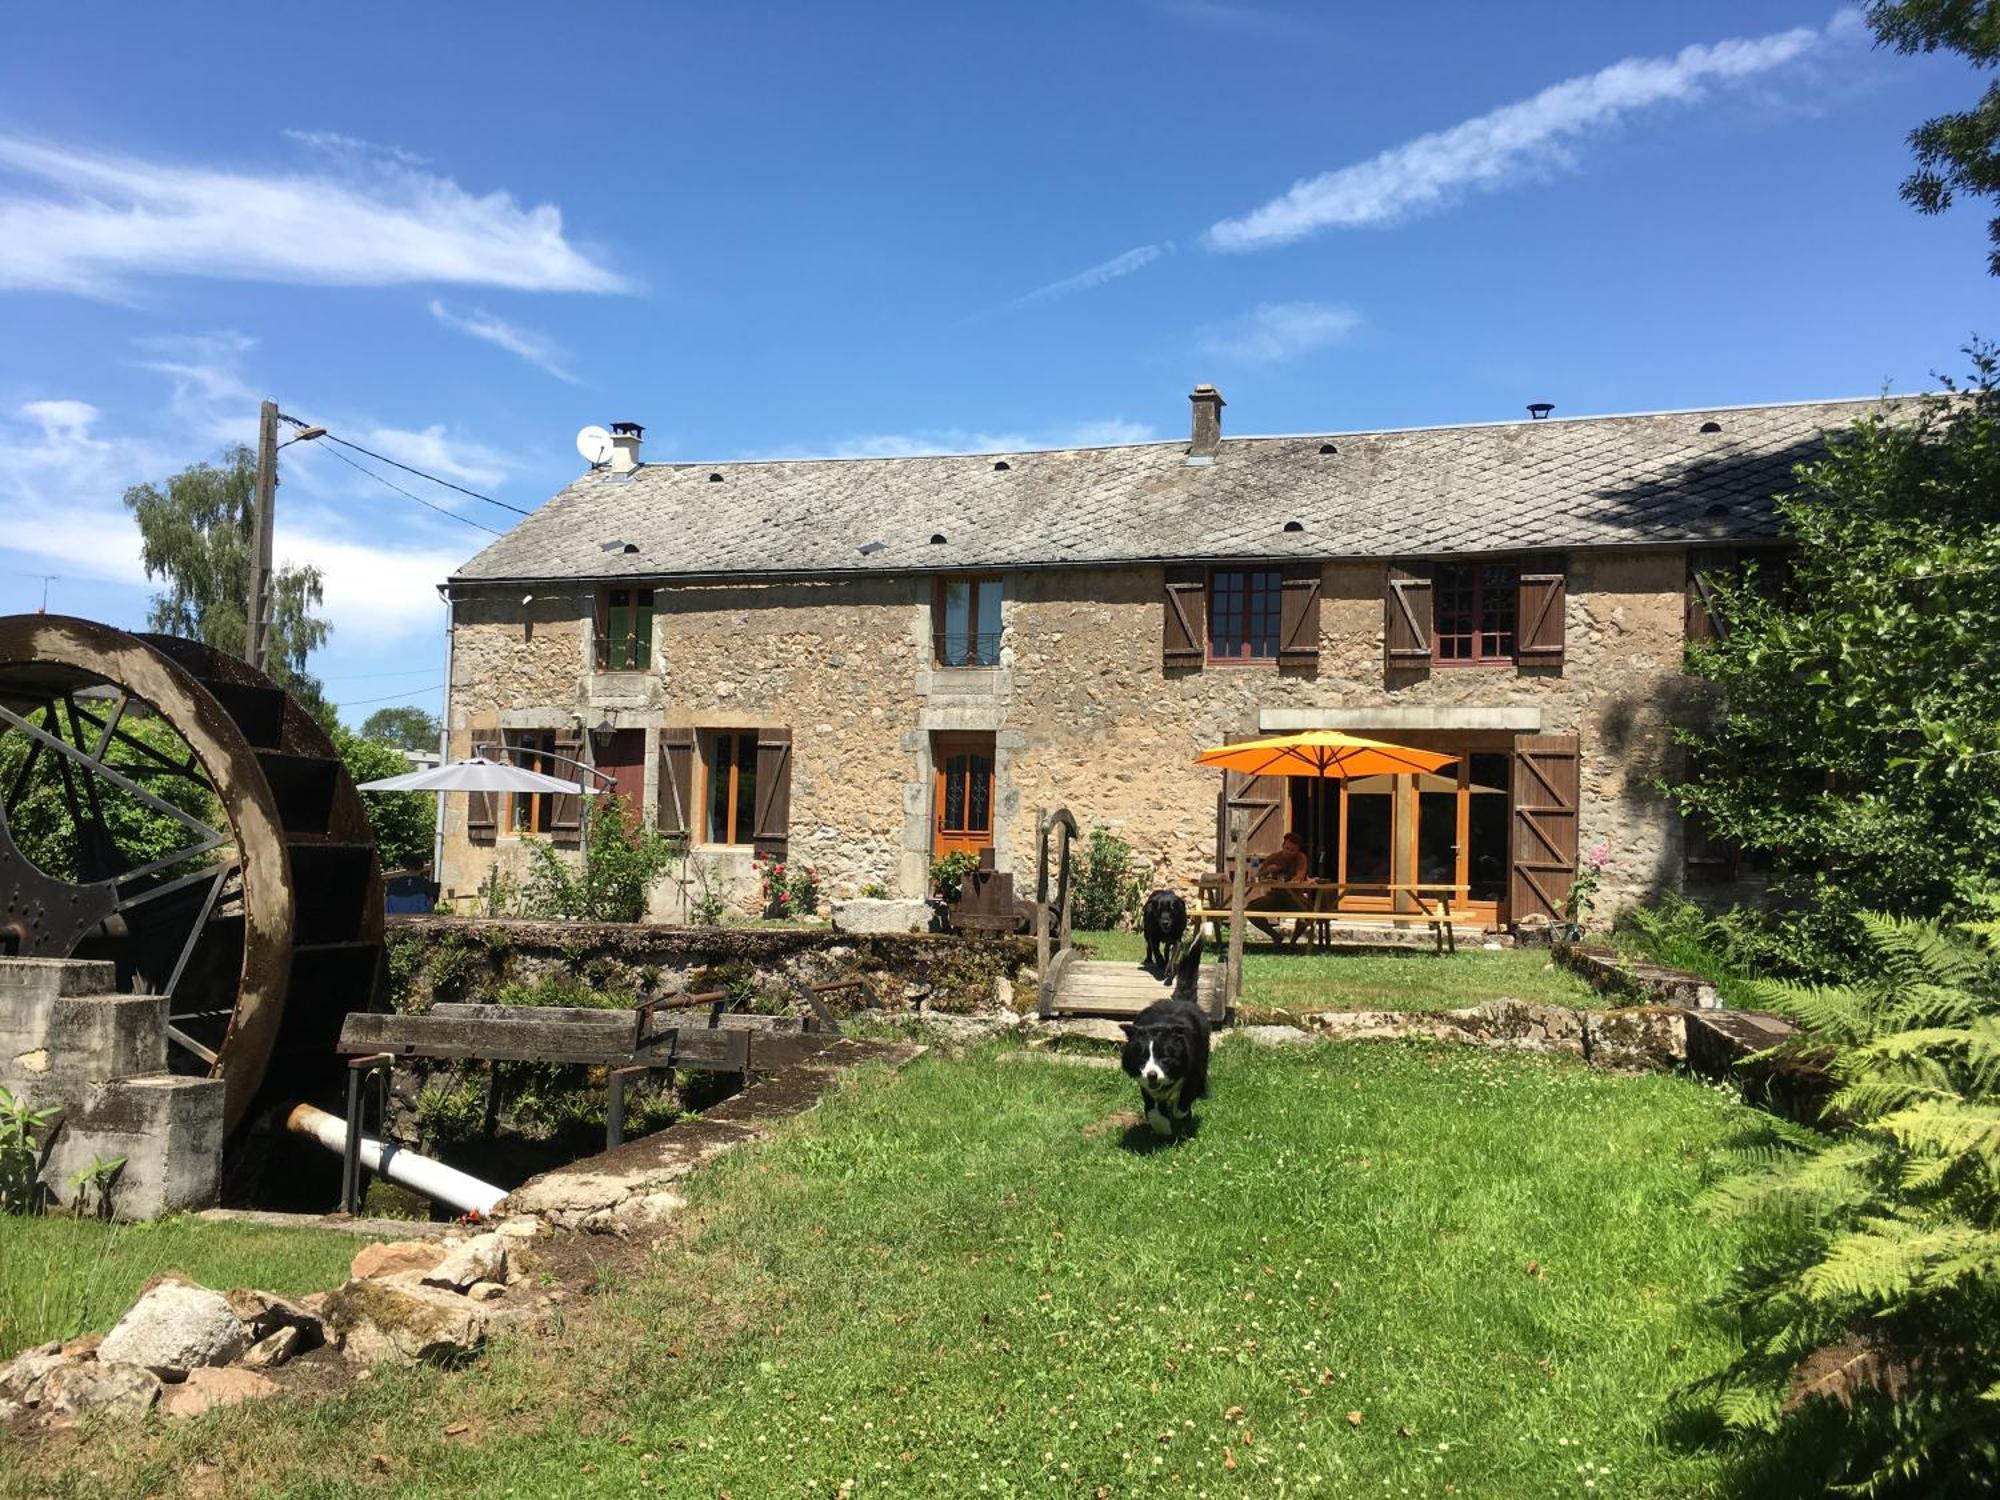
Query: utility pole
x,y
257,607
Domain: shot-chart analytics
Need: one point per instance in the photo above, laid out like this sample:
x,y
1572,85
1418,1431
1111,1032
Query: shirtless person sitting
x,y
1286,865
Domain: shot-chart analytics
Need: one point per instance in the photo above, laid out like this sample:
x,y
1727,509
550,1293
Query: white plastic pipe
x,y
420,1174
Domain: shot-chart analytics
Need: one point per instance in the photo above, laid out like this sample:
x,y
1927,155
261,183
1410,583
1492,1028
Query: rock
x,y
399,1319
178,1325
395,1257
10,1412
1648,1038
1081,1029
206,1389
1272,1036
871,914
481,1258
83,1346
22,1379
485,1291
265,1313
520,1228
274,1348
112,1389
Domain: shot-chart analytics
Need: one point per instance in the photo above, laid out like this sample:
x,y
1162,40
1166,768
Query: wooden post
x,y
257,605
1042,896
1239,893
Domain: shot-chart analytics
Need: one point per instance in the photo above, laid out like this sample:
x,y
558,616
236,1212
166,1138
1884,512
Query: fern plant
x,y
1869,1295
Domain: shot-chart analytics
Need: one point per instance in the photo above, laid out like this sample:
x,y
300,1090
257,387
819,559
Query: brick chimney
x,y
625,440
1207,436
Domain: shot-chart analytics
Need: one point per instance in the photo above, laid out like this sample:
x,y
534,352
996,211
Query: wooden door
x,y
621,755
1262,799
962,799
1546,788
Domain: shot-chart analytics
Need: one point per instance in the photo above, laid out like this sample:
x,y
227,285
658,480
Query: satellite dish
x,y
594,443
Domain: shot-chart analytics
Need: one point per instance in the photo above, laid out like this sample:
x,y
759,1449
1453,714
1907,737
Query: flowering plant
x,y
788,890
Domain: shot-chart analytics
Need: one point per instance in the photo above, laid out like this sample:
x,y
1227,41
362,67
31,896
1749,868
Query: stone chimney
x,y
1208,404
625,440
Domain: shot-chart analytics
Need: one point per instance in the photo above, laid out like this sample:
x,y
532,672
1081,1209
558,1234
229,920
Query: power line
x,y
413,693
454,515
408,469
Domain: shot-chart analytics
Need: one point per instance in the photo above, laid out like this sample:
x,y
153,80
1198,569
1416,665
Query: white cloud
x,y
1274,331
525,342
1106,433
436,451
65,466
335,144
1097,275
88,222
1516,141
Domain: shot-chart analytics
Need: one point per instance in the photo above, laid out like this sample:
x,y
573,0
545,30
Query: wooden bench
x,y
1319,909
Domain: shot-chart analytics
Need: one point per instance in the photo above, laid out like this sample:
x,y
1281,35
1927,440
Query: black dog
x,y
1164,920
1166,1050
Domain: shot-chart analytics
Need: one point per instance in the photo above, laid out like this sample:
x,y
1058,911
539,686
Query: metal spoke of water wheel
x,y
262,919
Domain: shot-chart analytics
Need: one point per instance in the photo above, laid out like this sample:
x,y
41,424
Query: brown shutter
x,y
566,810
1298,617
1703,563
601,637
1184,642
1546,789
773,816
481,808
1263,799
1705,860
1539,615
1406,634
676,780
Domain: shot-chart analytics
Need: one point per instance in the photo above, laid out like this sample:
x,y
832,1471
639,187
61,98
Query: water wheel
x,y
165,806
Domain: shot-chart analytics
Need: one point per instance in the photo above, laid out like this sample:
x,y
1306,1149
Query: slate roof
x,y
1561,483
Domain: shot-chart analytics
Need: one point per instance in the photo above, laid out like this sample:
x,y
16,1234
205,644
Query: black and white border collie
x,y
1164,921
1166,1051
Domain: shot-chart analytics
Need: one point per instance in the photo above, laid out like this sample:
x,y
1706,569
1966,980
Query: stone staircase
x,y
70,1042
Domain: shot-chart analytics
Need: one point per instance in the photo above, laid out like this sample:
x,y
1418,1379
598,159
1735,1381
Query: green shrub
x,y
874,890
625,858
948,872
1109,891
451,966
1870,1282
1854,742
20,1153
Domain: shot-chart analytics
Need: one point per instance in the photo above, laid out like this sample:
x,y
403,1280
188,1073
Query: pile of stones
x,y
182,1349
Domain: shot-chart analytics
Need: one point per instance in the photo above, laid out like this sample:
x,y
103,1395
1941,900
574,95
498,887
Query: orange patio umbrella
x,y
1321,752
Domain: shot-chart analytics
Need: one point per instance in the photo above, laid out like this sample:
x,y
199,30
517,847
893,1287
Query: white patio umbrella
x,y
477,775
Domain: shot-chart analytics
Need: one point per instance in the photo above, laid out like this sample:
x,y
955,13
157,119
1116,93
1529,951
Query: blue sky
x,y
456,234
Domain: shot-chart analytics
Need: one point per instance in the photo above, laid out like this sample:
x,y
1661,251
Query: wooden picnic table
x,y
1319,905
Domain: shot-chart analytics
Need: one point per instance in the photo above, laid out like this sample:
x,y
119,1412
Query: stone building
x,y
863,663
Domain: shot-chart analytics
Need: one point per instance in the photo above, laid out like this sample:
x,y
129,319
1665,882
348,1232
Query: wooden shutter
x,y
1703,563
1184,640
1406,633
1262,798
566,810
482,819
773,813
1705,860
676,781
1546,790
1538,641
1298,617
600,648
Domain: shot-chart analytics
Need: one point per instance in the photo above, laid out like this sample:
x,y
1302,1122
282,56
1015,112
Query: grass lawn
x,y
60,1277
1296,981
969,1280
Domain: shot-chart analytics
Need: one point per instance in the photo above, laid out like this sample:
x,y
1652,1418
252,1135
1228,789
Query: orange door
x,y
962,804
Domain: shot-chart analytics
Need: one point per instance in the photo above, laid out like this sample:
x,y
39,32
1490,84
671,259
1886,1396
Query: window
x,y
966,621
729,804
533,812
624,630
1476,605
1244,610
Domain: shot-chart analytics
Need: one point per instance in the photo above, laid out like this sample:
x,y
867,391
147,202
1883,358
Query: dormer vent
x,y
1327,450
1001,466
1294,526
1711,427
